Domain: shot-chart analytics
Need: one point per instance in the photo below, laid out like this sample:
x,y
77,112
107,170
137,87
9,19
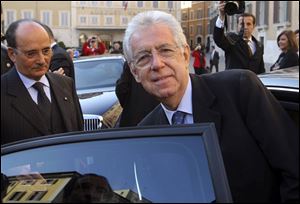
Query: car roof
x,y
287,78
99,57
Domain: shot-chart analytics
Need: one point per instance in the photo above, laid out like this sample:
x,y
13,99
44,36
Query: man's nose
x,y
41,58
157,61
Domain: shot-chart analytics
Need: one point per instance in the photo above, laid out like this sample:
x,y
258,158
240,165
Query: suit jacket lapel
x,y
162,119
259,48
203,103
23,102
63,98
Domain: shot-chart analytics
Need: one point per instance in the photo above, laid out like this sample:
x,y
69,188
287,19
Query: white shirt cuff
x,y
219,23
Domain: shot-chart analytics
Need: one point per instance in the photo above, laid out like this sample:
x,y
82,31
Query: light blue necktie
x,y
178,118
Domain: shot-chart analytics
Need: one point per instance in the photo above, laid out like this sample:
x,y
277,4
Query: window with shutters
x,y
262,13
140,4
199,29
46,17
282,12
64,18
10,16
27,14
155,4
192,15
191,30
170,4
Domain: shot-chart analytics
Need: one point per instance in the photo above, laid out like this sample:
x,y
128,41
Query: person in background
x,y
76,54
6,63
258,140
287,43
116,49
93,46
70,51
214,59
242,50
60,58
200,61
35,102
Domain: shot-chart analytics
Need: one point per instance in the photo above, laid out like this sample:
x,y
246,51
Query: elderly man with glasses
x,y
259,142
35,102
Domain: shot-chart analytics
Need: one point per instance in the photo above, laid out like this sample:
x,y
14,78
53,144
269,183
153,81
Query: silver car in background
x,y
95,79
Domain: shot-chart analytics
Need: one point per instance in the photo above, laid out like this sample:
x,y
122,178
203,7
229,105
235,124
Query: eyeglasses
x,y
143,59
35,53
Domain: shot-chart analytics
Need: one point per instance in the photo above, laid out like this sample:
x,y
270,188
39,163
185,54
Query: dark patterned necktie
x,y
249,48
178,118
44,104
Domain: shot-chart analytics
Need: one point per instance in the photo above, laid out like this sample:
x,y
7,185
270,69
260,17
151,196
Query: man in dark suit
x,y
214,59
242,51
6,63
27,111
258,140
135,101
60,57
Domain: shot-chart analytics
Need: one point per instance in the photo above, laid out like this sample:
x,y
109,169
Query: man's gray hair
x,y
144,20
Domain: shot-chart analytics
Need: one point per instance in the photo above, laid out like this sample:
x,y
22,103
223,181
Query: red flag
x,y
125,4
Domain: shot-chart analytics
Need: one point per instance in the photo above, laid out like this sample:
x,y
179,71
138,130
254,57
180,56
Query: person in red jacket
x,y
93,46
199,62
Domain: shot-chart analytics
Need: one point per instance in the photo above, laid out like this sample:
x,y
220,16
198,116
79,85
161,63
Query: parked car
x,y
284,85
118,165
95,79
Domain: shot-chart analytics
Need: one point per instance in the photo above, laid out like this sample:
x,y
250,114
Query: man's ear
x,y
135,74
11,54
186,54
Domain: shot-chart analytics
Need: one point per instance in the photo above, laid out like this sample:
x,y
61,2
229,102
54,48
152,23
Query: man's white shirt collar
x,y
52,45
185,105
29,82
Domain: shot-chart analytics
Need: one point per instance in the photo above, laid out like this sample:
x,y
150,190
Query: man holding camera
x,y
242,50
94,46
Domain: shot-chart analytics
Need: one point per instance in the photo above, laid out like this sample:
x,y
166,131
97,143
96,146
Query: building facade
x,y
73,22
195,22
54,14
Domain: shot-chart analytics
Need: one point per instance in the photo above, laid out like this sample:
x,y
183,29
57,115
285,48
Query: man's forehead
x,y
246,18
29,25
31,32
145,39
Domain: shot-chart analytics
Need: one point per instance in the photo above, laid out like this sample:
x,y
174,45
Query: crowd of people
x,y
259,141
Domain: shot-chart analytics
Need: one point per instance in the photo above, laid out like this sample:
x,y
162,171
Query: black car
x,y
284,85
95,79
155,164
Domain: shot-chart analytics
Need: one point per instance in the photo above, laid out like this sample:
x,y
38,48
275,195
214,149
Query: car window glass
x,y
142,166
97,73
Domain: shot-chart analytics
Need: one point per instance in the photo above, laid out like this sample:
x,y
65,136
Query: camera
x,y
93,39
234,7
